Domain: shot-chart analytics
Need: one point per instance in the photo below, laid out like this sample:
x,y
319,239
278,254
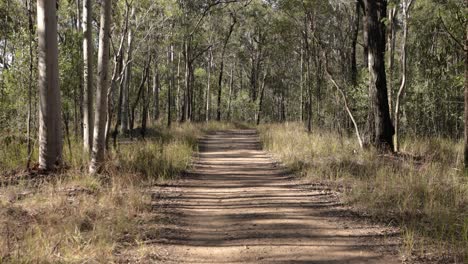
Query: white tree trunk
x,y
406,5
88,88
97,156
50,121
128,78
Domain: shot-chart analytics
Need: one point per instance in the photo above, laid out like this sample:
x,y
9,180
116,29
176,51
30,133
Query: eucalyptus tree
x,y
88,76
50,119
99,137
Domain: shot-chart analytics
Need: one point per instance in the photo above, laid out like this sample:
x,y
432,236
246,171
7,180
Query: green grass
x,y
423,191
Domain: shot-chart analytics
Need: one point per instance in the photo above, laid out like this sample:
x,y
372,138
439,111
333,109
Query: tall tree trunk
x,y
50,114
391,54
262,96
128,78
171,86
406,8
30,79
231,84
466,97
208,89
301,99
140,93
221,68
88,88
354,70
97,156
187,57
156,94
146,101
376,11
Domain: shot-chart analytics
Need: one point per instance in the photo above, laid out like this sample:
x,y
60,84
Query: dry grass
x,y
73,217
423,191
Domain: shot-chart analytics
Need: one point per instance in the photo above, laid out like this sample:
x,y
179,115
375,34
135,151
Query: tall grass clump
x,y
423,189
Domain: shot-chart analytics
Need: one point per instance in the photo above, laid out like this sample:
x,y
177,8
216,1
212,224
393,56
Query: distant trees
x,y
50,116
279,53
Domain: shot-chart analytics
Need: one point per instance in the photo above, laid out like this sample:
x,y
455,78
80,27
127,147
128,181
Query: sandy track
x,y
238,205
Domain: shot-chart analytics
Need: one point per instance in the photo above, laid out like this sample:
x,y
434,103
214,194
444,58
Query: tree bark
x,y
221,70
208,89
262,96
466,97
231,84
97,156
30,79
88,91
391,54
128,77
376,10
354,70
406,8
50,117
156,94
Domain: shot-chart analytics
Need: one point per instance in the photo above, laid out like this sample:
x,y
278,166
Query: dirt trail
x,y
238,205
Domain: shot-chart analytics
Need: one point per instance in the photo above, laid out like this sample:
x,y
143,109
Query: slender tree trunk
x,y
97,156
208,89
301,100
354,70
406,8
88,88
309,86
144,113
391,54
262,96
128,78
140,93
466,98
221,70
50,114
376,10
185,108
231,84
30,80
178,105
156,94
171,85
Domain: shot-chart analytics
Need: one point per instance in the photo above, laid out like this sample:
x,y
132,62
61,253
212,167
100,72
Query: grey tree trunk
x,y
406,7
88,89
231,84
208,89
391,60
376,11
128,77
97,155
156,94
50,117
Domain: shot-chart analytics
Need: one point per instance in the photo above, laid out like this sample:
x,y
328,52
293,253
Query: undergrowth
x,y
423,189
72,217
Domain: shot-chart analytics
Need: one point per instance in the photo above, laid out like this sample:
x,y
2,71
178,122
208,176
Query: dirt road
x,y
238,205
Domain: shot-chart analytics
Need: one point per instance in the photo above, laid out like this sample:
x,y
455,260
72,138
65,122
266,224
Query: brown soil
x,y
238,205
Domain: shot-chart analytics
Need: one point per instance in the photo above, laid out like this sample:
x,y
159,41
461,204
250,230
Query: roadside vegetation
x,y
423,189
70,216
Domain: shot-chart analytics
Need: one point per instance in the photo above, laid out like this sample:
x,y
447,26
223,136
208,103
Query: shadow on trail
x,y
237,205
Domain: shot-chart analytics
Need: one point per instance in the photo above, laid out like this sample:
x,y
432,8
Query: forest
x,y
307,131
